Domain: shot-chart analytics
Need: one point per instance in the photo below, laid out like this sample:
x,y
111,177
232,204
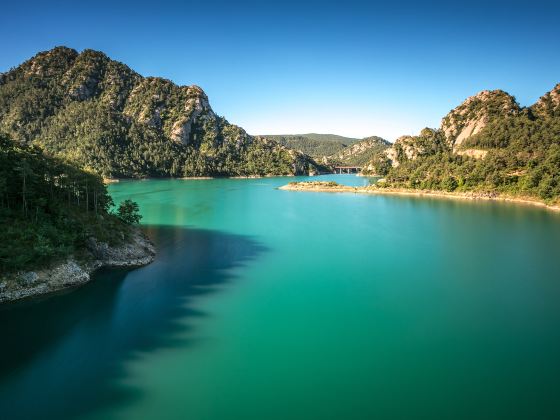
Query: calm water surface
x,y
269,304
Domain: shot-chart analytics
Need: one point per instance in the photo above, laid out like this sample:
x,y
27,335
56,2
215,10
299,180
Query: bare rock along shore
x,y
75,271
330,186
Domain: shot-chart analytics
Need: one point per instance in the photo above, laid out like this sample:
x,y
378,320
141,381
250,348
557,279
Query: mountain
x,y
104,116
548,105
331,149
475,113
330,138
361,152
488,143
315,145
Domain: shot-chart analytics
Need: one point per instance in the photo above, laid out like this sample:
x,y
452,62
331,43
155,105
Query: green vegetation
x,y
316,184
49,208
330,137
315,145
103,116
129,212
333,149
516,153
360,153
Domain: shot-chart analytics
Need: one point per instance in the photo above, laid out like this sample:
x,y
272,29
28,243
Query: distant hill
x,y
330,137
315,145
105,117
360,152
333,149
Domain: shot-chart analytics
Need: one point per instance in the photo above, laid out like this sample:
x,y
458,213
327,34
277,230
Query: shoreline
x,y
314,187
138,251
196,178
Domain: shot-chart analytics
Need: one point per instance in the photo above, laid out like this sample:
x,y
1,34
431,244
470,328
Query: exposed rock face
x,y
196,107
138,251
548,105
405,147
408,148
474,113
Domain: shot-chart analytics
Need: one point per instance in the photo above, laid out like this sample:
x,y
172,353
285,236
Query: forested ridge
x,y
105,117
333,150
489,144
360,152
49,208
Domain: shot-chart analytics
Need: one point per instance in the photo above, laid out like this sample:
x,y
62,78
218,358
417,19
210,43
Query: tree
x,y
129,212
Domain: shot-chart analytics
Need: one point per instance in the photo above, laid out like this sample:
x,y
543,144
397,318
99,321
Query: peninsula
x,y
58,224
382,188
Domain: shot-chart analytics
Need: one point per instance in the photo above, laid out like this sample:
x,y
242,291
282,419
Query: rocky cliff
x,y
406,148
75,271
106,117
475,113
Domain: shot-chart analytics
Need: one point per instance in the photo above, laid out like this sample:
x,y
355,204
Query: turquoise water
x,y
269,304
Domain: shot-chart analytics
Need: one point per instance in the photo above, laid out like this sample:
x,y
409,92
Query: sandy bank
x,y
471,195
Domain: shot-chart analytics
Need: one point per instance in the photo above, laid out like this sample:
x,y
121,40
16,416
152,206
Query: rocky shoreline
x,y
137,251
319,186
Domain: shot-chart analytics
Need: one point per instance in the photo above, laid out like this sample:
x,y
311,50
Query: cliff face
x,y
475,113
72,272
103,115
406,148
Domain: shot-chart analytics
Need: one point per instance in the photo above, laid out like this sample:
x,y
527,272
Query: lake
x,y
270,304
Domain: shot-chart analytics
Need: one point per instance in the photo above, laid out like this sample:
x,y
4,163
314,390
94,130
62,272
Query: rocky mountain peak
x,y
474,114
49,63
549,103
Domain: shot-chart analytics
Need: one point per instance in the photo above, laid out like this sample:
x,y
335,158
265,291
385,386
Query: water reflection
x,y
66,353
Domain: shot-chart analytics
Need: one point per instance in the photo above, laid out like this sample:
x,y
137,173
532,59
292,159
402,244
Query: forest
x,y
98,113
522,158
49,208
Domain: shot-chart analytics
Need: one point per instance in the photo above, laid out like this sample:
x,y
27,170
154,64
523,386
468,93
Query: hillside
x,y
57,226
488,143
315,145
333,138
104,116
331,149
361,152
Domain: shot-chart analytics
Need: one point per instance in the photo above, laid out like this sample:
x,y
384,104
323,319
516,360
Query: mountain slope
x,y
334,138
548,105
475,113
332,149
361,152
315,145
106,117
487,144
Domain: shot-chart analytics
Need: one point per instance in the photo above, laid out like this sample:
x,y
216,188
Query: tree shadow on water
x,y
64,356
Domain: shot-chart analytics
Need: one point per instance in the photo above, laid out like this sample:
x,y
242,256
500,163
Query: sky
x,y
280,67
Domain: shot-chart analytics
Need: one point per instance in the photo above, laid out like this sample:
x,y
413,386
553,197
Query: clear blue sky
x,y
349,68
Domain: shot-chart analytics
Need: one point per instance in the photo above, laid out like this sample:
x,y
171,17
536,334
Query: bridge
x,y
347,169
